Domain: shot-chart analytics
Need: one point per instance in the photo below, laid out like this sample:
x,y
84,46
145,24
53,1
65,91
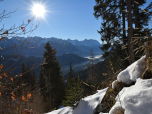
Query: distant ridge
x,y
34,46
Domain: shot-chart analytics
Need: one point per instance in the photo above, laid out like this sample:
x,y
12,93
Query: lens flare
x,y
38,10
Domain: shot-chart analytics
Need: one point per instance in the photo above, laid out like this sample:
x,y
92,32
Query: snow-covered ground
x,y
132,72
86,106
135,99
90,103
65,110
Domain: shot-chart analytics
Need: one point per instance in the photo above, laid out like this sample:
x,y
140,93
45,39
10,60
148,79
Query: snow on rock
x,y
135,99
132,72
113,84
103,113
64,110
88,104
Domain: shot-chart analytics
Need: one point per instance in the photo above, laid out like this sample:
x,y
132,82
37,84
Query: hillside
x,y
35,62
129,94
65,59
34,46
98,71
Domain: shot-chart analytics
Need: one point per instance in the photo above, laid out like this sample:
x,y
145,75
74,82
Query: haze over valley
x,y
30,50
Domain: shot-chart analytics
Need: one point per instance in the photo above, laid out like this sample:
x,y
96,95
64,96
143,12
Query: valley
x,y
78,63
82,65
30,51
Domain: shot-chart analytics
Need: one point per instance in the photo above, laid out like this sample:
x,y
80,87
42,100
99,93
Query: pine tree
x,y
29,77
74,94
91,61
33,80
130,33
113,33
141,21
53,77
23,72
70,78
71,72
42,82
109,11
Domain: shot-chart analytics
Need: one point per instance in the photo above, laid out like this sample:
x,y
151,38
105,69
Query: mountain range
x,y
30,50
34,46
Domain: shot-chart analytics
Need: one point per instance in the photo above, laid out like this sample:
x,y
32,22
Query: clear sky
x,y
64,19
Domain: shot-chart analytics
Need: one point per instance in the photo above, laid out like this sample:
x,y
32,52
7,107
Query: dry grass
x,y
119,85
118,110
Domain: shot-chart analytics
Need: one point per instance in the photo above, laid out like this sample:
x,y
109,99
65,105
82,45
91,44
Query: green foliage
x,y
113,30
74,93
33,81
28,77
111,26
71,72
24,77
70,77
42,82
99,69
52,85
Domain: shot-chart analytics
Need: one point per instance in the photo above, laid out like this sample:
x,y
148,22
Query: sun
x,y
38,10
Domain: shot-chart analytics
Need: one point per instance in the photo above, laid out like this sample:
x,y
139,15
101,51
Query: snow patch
x,y
132,72
135,99
113,84
64,110
88,104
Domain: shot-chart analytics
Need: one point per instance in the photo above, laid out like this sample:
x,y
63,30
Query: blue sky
x,y
64,19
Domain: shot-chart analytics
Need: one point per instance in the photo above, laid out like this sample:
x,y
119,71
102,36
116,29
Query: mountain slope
x,y
34,46
133,99
65,59
35,62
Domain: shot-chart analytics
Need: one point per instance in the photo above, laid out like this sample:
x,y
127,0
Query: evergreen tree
x,y
70,77
42,82
130,33
29,77
91,62
33,80
111,31
141,21
53,77
71,72
74,94
24,78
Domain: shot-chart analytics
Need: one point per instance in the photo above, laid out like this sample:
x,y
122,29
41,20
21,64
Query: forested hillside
x,y
76,74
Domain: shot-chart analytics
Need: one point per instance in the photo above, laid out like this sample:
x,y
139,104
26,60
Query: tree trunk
x,y
123,20
136,12
92,57
130,32
49,90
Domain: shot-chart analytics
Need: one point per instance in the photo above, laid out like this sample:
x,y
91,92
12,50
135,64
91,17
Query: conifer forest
x,y
75,57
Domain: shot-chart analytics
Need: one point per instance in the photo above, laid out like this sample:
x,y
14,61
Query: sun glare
x,y
38,10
